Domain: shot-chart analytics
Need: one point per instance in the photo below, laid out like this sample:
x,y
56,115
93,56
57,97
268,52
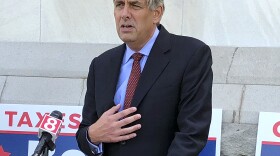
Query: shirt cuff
x,y
95,149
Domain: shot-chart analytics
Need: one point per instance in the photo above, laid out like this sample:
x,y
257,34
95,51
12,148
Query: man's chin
x,y
126,39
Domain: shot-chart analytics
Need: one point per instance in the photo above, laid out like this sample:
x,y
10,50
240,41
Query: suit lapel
x,y
155,65
111,77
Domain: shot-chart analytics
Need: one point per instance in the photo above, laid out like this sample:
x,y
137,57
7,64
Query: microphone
x,y
48,131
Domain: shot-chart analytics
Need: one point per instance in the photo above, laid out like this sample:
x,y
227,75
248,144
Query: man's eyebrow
x,y
135,2
118,0
131,2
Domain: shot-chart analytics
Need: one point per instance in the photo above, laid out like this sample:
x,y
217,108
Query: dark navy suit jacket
x,y
173,96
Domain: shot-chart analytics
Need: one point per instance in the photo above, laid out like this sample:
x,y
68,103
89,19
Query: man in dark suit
x,y
150,96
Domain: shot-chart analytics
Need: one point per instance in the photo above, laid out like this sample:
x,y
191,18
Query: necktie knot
x,y
137,56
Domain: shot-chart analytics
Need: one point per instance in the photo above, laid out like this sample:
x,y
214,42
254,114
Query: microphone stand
x,y
45,144
46,152
50,146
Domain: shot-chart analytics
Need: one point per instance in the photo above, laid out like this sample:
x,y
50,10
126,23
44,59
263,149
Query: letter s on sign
x,y
276,129
75,119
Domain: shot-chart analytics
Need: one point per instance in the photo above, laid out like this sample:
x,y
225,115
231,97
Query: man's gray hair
x,y
153,4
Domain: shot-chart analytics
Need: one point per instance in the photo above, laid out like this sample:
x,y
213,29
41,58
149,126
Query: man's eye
x,y
136,6
119,5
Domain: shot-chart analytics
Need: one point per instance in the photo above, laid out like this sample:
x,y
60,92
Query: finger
x,y
125,137
113,110
128,120
129,130
125,112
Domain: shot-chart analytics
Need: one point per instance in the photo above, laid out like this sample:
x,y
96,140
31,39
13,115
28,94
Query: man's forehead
x,y
140,1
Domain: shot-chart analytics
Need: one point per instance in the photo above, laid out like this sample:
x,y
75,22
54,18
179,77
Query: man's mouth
x,y
126,26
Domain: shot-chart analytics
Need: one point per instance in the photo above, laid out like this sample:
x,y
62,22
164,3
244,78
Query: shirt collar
x,y
145,50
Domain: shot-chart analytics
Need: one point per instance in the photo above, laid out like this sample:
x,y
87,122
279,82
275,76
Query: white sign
x,y
268,139
21,122
213,145
19,125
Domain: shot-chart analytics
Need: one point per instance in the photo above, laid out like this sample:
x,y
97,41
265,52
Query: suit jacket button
x,y
123,142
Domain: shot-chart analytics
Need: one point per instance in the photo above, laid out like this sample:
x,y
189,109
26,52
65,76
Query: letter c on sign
x,y
275,129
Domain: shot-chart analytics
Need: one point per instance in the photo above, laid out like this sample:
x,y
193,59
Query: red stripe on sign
x,y
212,138
17,132
33,133
271,143
67,134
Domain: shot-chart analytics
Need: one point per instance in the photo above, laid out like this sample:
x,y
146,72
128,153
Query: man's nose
x,y
126,12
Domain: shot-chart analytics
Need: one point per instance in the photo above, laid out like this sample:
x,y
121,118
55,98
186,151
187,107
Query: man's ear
x,y
158,12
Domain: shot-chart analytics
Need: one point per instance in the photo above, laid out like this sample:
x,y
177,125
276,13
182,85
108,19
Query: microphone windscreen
x,y
56,114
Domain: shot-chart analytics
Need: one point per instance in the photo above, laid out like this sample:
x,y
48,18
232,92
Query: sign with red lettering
x,y
268,140
19,126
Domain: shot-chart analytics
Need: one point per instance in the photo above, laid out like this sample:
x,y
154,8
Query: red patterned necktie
x,y
133,79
